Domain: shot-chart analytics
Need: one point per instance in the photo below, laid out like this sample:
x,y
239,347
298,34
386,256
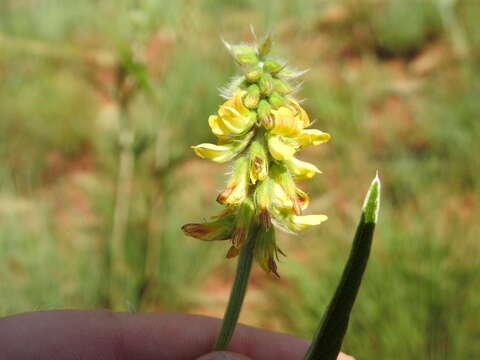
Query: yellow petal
x,y
223,152
217,126
224,126
233,196
301,113
281,148
301,169
312,137
285,122
299,223
280,197
302,198
217,153
234,118
258,159
283,201
235,103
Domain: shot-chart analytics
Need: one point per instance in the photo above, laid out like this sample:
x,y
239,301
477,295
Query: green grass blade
x,y
329,336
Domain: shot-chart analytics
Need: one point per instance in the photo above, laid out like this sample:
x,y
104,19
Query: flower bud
x,y
276,100
220,229
253,73
263,197
266,251
281,86
252,97
266,46
265,83
264,114
244,55
272,67
237,187
246,212
258,159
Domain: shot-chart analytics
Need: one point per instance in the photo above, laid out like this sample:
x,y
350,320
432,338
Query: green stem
x,y
237,294
118,266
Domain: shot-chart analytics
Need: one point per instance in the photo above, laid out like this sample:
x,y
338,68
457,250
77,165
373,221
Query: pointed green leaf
x,y
333,326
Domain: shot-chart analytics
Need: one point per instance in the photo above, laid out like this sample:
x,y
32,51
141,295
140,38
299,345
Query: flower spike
x,y
261,127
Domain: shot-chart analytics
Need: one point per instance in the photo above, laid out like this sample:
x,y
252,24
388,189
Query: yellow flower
x,y
302,198
301,169
300,113
237,187
312,137
286,122
225,151
258,159
286,194
282,147
233,117
299,201
299,223
295,223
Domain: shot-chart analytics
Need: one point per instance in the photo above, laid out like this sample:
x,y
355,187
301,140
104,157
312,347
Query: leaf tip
x,y
371,205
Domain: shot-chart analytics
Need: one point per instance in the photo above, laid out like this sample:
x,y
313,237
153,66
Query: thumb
x,y
223,355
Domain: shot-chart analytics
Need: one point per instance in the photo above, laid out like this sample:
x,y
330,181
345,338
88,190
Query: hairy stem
x,y
237,294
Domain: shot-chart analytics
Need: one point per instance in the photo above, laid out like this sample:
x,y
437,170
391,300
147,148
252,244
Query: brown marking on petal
x,y
258,163
265,219
280,251
302,200
268,122
272,265
223,196
198,231
295,108
232,252
296,206
238,237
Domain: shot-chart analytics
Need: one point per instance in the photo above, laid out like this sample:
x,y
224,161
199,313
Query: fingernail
x,y
221,355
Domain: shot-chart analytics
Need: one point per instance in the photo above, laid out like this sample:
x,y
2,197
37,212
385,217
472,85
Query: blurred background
x,y
100,101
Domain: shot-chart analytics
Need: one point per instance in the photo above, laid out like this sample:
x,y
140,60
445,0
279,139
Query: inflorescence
x,y
260,128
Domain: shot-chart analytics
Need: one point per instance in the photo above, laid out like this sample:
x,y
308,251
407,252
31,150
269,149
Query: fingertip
x,y
343,356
